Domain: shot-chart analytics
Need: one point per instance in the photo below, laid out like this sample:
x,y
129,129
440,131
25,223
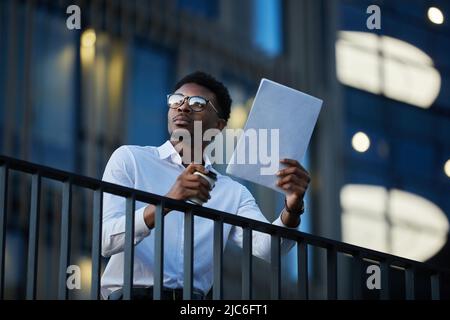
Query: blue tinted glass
x,y
53,71
207,8
353,16
413,158
267,26
3,50
150,79
411,122
416,139
443,100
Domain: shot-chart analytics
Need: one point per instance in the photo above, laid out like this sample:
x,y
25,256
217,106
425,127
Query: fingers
x,y
195,185
293,179
294,171
293,188
191,168
292,162
200,193
189,185
198,180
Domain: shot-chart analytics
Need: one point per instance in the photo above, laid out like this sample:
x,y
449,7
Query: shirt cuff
x,y
279,222
141,229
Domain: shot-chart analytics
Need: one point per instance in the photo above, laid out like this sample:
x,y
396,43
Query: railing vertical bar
x,y
33,236
247,264
188,254
435,287
159,252
275,265
218,260
129,248
332,273
409,284
357,276
302,269
96,243
385,293
3,214
64,255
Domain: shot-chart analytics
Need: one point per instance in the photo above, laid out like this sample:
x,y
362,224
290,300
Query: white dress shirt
x,y
154,170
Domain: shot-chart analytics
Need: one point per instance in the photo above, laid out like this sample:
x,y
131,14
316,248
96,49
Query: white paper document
x,y
283,120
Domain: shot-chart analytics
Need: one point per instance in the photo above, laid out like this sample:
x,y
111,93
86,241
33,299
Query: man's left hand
x,y
294,180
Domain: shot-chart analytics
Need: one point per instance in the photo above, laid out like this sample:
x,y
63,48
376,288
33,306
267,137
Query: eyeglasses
x,y
195,103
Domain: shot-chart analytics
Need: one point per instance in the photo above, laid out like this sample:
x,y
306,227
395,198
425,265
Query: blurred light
x,y
388,66
85,265
238,116
115,80
88,38
361,142
87,55
395,222
435,15
447,168
87,50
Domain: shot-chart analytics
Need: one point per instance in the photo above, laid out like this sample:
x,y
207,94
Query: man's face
x,y
183,117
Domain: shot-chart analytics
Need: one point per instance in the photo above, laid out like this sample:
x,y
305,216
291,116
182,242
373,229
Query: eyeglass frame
x,y
190,107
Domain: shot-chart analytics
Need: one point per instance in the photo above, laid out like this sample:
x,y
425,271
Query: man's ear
x,y
221,123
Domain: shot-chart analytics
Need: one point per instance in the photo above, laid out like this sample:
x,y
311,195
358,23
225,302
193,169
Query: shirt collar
x,y
167,150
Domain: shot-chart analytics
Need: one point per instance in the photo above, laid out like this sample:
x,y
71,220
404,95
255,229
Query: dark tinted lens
x,y
175,100
197,103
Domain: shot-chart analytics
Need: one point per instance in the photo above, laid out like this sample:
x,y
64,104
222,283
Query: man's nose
x,y
184,107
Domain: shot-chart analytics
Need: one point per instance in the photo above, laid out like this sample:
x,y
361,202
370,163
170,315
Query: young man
x,y
161,170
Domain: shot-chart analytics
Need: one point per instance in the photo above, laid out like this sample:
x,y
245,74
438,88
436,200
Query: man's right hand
x,y
186,186
189,185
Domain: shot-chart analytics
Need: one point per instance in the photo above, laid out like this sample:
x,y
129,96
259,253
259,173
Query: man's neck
x,y
191,156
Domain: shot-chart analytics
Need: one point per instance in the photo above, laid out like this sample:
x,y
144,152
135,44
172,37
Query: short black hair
x,y
218,88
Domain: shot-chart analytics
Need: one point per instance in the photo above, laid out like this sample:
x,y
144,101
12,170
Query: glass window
x,y
408,146
3,66
267,26
206,8
53,77
150,80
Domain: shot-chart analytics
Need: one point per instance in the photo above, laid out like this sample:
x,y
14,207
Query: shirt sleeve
x,y
260,241
120,170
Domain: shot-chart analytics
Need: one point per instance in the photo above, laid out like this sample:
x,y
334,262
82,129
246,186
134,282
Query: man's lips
x,y
181,120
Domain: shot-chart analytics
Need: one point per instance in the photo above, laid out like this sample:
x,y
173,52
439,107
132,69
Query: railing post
x,y
410,283
188,254
302,269
96,243
247,264
64,258
129,248
3,214
159,252
33,237
435,286
332,273
385,293
218,260
275,265
357,276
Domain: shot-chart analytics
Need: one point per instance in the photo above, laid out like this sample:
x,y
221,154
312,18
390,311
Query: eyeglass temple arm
x,y
212,105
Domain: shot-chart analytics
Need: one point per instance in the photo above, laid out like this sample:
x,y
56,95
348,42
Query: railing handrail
x,y
216,215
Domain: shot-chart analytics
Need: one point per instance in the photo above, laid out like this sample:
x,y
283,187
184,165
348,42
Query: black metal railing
x,y
303,240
